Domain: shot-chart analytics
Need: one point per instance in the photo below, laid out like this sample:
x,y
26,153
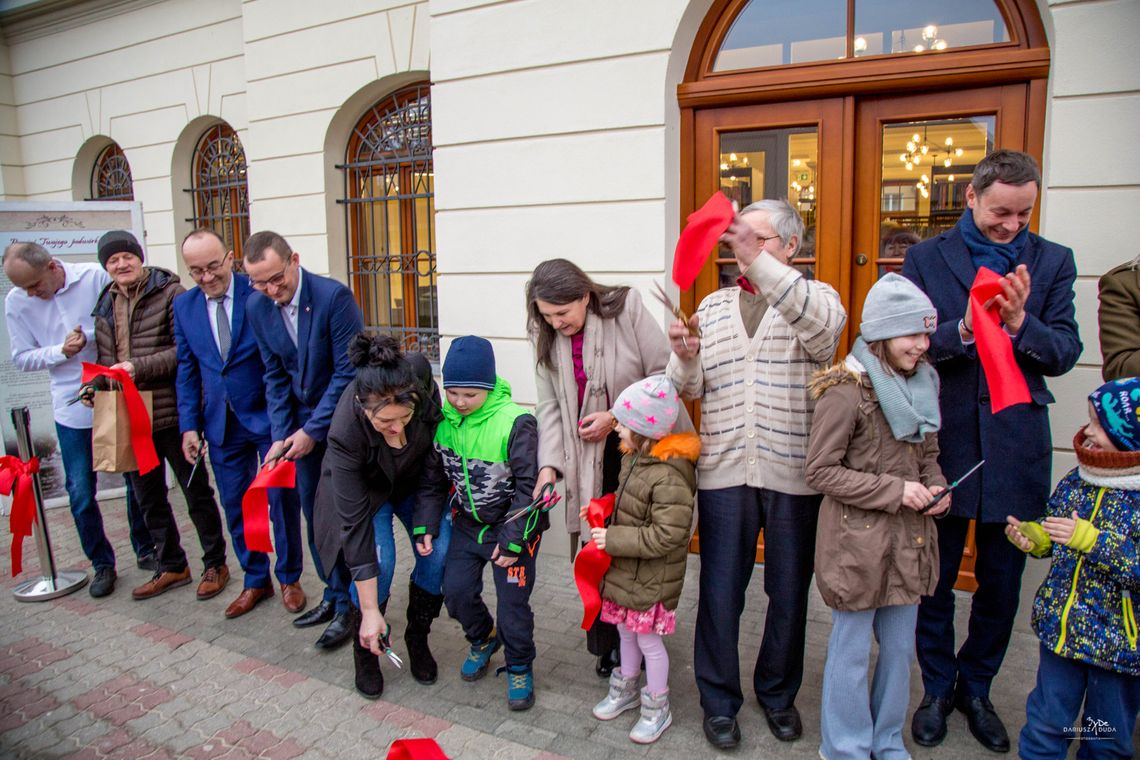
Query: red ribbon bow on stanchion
x,y
591,564
255,503
141,440
995,348
16,481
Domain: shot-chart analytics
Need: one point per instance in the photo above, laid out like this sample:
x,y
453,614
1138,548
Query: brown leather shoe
x,y
161,582
293,597
213,581
247,600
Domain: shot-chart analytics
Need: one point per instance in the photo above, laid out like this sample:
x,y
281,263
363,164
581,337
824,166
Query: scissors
x,y
278,456
950,488
82,393
386,645
545,502
663,297
198,459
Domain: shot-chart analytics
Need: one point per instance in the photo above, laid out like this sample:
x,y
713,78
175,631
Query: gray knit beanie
x,y
649,407
895,307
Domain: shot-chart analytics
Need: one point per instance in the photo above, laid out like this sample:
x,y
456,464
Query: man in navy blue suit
x,y
1036,309
221,394
303,323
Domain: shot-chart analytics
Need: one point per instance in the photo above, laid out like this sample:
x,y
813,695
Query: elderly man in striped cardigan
x,y
758,346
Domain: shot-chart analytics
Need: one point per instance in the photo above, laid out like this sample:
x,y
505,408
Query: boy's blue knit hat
x,y
470,363
1117,405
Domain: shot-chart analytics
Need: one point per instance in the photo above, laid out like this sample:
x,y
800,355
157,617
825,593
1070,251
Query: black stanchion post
x,y
51,583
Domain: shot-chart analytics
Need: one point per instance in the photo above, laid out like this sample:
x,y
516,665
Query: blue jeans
x,y
75,448
428,572
1111,701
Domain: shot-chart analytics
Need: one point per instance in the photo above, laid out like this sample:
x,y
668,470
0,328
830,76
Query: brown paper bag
x,y
111,446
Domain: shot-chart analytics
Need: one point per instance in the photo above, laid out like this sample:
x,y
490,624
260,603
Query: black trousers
x,y
730,520
463,594
150,490
998,566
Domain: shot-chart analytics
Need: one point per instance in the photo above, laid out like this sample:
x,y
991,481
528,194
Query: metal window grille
x,y
389,199
220,189
111,176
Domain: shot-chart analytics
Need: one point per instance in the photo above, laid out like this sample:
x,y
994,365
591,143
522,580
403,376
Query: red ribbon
x,y
16,481
415,749
995,347
591,564
255,503
702,229
141,440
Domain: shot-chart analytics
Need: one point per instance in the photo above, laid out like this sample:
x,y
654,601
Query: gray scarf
x,y
910,404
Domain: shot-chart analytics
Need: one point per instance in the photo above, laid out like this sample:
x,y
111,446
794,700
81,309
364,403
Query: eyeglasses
x,y
214,268
764,239
372,413
275,281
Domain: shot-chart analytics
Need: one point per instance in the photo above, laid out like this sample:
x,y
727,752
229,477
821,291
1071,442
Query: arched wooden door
x,y
873,141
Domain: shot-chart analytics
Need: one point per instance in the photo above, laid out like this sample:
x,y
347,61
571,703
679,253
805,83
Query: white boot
x,y
655,717
622,696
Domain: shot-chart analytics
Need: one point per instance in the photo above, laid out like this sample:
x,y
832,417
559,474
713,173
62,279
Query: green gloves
x,y
1037,536
1084,536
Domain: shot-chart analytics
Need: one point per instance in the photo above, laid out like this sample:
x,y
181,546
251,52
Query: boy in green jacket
x,y
488,446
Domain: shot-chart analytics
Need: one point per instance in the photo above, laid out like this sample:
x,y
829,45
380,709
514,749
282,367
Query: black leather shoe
x,y
928,726
785,723
322,613
104,582
985,724
338,632
722,731
607,662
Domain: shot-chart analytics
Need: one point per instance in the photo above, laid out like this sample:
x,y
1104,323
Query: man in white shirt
x,y
50,327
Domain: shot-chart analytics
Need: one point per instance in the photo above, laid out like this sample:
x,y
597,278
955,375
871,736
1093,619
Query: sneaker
x,y
520,686
161,583
624,695
655,717
213,581
475,666
103,583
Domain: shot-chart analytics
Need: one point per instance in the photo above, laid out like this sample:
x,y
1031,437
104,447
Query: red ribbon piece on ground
x,y
591,564
697,240
415,749
141,439
995,348
255,503
16,481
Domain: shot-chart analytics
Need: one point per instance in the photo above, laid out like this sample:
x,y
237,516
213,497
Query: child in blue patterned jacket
x,y
1083,611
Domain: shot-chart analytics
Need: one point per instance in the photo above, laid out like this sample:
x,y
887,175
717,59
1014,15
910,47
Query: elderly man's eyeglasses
x,y
214,268
397,413
275,281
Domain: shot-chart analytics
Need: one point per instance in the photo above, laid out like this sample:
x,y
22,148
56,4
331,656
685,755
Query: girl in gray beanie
x,y
873,453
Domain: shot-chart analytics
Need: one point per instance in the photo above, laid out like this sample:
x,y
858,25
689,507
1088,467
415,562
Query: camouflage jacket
x,y
491,458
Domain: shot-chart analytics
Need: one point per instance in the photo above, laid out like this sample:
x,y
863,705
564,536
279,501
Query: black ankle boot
x,y
423,608
369,679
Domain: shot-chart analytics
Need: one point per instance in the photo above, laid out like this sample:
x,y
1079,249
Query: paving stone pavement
x,y
170,677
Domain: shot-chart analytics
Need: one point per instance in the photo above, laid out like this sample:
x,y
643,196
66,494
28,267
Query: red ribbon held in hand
x,y
255,503
141,440
16,481
995,347
702,229
591,564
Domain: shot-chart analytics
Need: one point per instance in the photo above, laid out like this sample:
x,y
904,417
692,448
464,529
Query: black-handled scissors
x,y
950,488
278,456
198,459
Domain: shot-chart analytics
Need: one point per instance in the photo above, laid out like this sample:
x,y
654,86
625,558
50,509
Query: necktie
x,y
287,318
223,327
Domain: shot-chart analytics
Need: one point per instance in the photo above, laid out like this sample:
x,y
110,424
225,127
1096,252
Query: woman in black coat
x,y
380,463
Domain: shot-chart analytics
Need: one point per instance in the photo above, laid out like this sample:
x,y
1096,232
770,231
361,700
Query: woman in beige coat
x,y
591,341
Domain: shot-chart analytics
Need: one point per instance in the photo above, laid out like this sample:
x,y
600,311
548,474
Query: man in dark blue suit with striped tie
x,y
303,323
221,395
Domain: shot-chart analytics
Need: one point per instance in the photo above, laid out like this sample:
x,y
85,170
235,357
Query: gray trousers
x,y
857,728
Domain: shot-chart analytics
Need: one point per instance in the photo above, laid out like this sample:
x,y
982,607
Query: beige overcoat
x,y
615,354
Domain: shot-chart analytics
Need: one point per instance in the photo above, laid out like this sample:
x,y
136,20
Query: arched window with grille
x,y
111,176
390,208
220,188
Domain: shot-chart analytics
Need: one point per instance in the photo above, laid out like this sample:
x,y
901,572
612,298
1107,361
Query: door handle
x,y
861,259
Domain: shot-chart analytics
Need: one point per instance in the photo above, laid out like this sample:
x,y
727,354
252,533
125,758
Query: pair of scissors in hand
x,y
547,499
386,645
